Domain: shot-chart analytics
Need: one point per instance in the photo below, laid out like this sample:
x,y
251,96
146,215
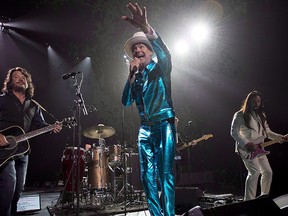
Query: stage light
x,y
4,28
181,47
200,32
3,25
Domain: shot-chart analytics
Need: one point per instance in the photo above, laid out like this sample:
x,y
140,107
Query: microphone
x,y
133,71
68,75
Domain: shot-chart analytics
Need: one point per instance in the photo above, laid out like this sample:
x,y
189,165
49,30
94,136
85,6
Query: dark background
x,y
248,51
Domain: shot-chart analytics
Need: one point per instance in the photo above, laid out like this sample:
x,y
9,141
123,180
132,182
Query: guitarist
x,y
248,125
17,109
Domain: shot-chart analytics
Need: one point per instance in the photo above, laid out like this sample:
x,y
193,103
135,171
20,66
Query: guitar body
x,y
251,155
14,148
258,152
259,148
18,139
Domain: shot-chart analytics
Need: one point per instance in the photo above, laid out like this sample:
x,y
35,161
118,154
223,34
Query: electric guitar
x,y
259,149
194,142
18,140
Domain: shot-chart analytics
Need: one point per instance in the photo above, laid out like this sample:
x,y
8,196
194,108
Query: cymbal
x,y
100,131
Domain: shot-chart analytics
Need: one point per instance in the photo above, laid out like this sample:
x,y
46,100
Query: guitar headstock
x,y
69,122
207,136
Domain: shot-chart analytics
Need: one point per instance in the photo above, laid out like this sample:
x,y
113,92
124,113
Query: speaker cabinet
x,y
186,198
261,206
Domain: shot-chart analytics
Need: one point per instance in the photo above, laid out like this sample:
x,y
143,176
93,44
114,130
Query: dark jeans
x,y
12,180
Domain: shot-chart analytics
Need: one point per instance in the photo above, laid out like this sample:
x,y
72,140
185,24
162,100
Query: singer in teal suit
x,y
149,86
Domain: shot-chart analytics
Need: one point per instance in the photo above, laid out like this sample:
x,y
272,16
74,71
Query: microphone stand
x,y
80,105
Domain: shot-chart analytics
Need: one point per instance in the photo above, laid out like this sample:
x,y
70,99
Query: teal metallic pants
x,y
156,153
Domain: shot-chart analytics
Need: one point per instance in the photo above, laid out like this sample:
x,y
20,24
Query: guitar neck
x,y
189,144
179,148
271,142
194,142
37,132
197,140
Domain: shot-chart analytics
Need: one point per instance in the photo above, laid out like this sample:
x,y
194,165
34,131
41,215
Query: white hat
x,y
138,37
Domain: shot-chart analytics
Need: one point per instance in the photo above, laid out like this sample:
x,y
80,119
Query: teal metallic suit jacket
x,y
151,90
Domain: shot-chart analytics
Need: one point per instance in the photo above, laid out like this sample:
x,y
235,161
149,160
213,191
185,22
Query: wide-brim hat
x,y
138,37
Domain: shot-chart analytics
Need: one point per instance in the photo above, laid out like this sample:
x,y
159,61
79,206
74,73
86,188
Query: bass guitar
x,y
18,143
194,142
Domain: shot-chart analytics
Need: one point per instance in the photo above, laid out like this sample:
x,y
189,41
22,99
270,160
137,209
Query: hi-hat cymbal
x,y
100,131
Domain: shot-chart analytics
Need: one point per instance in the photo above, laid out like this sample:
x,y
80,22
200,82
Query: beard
x,y
257,109
19,89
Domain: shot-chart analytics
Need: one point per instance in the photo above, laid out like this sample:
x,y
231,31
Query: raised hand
x,y
138,17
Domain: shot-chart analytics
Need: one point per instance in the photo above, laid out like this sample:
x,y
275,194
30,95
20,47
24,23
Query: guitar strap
x,y
41,107
28,113
26,105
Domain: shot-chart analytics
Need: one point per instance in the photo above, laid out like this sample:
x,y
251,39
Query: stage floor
x,y
55,203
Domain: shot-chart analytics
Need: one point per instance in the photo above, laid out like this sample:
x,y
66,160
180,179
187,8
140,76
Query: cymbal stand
x,y
101,164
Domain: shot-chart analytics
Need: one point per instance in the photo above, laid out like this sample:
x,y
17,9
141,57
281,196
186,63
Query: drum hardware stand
x,y
128,197
101,164
115,165
124,187
135,198
113,169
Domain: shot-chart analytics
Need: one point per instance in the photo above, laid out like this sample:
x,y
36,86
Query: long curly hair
x,y
7,85
247,108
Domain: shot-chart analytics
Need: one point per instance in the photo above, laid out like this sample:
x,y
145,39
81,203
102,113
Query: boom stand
x,y
80,105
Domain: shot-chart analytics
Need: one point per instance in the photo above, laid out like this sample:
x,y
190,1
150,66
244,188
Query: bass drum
x,y
69,167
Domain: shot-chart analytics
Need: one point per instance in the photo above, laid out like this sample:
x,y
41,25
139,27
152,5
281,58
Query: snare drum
x,y
115,155
69,167
98,169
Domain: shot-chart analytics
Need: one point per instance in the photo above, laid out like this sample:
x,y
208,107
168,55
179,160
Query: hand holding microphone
x,y
134,69
133,72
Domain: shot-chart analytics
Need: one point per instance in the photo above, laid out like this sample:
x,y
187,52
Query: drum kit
x,y
103,170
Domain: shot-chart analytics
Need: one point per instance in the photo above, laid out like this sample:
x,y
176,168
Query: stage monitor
x,y
29,202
